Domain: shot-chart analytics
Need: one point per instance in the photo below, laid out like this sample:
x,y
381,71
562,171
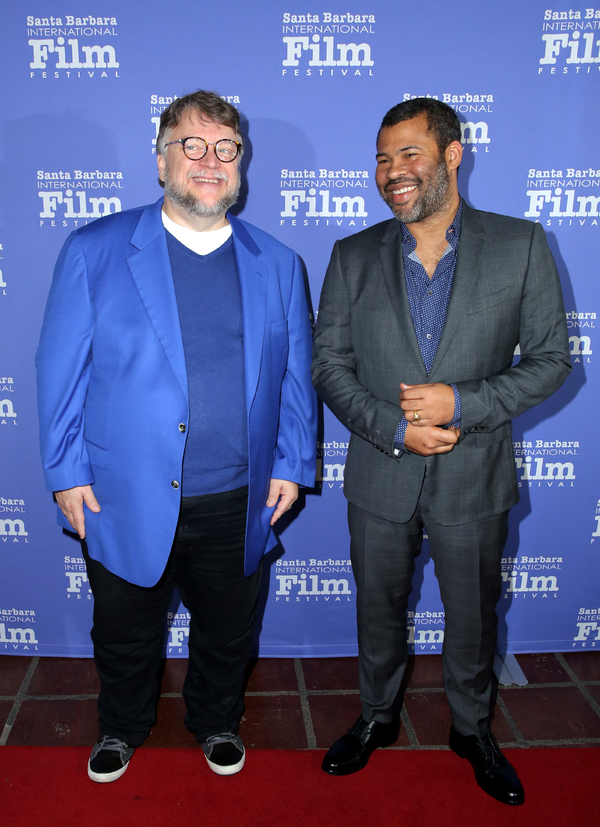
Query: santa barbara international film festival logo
x,y
474,108
320,197
545,463
158,104
77,580
8,413
587,625
563,196
331,463
73,197
570,43
17,632
530,577
312,580
582,330
327,45
425,631
72,47
178,632
596,532
12,520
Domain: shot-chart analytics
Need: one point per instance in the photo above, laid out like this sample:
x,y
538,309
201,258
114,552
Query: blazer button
x,y
175,484
182,428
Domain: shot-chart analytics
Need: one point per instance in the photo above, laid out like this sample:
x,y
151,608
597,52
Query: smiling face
x,y
412,177
198,193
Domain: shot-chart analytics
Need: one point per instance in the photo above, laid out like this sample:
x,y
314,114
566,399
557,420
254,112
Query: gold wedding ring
x,y
415,417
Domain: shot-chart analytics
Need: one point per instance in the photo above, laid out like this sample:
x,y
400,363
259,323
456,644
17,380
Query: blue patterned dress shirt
x,y
428,299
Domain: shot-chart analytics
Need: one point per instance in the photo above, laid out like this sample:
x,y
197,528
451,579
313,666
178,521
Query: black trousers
x,y
207,565
467,566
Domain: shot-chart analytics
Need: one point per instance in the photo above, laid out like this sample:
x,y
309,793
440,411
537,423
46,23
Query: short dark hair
x,y
208,106
441,119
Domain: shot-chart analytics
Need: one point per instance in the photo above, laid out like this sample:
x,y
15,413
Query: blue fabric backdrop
x,y
82,99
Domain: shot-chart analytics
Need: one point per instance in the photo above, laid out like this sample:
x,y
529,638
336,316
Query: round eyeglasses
x,y
226,150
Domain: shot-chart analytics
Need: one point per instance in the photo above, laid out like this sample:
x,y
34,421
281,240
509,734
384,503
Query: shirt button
x,y
182,428
175,484
429,335
430,292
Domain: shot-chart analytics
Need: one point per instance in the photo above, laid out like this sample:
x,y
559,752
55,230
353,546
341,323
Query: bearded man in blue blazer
x,y
177,421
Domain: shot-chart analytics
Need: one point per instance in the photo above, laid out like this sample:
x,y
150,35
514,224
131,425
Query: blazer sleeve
x,y
334,366
63,364
295,452
545,362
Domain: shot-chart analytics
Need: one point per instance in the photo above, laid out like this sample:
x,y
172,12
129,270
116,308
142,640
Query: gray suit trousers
x,y
467,566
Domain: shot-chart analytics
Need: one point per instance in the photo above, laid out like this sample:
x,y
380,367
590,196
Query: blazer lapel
x,y
466,276
392,265
151,271
253,275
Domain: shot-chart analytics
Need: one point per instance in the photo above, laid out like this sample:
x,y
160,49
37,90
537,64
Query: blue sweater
x,y
210,313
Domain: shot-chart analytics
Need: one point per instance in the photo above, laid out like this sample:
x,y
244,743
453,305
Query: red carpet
x,y
46,786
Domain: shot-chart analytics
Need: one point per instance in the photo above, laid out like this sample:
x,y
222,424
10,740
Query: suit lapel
x,y
466,278
253,275
151,270
392,265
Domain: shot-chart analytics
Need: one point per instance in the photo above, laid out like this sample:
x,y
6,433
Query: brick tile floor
x,y
308,703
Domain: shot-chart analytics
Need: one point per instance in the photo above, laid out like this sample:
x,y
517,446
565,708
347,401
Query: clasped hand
x,y
427,408
433,404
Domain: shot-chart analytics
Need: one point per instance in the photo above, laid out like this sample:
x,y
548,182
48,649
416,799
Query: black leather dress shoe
x,y
352,751
494,774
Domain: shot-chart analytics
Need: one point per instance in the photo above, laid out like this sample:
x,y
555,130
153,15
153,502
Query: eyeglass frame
x,y
182,141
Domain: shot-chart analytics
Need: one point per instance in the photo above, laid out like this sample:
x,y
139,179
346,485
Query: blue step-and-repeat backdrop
x,y
84,85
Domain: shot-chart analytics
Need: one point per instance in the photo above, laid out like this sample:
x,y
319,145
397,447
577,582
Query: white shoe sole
x,y
231,769
106,777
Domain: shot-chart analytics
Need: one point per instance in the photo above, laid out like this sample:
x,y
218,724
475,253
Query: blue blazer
x,y
113,392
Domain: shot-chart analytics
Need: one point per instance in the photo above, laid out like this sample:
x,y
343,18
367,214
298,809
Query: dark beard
x,y
434,198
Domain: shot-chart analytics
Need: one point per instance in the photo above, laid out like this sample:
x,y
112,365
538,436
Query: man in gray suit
x,y
418,322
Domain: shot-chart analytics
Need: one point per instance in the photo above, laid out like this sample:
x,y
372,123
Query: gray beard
x,y
433,199
193,206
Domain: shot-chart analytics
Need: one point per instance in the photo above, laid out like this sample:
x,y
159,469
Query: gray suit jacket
x,y
506,292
